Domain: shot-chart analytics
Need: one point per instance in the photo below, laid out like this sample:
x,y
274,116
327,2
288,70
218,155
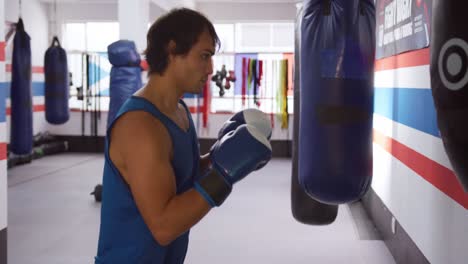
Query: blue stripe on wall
x,y
3,90
408,106
37,88
191,95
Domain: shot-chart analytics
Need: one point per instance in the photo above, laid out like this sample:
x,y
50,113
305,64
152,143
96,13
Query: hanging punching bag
x,y
449,81
304,208
125,77
21,138
56,84
336,103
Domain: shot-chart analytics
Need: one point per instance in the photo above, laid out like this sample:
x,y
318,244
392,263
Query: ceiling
x,y
197,1
247,1
168,4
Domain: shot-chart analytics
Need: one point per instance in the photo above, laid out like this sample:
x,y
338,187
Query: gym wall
x,y
34,16
217,12
3,162
224,12
412,174
74,126
230,11
106,11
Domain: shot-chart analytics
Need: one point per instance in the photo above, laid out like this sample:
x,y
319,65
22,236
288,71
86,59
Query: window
x,y
90,36
226,36
100,34
75,36
266,42
86,44
264,37
253,37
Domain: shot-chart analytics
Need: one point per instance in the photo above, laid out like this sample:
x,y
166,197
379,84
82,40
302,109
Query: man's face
x,y
193,69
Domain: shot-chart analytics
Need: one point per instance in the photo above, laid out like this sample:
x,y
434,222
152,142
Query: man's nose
x,y
210,67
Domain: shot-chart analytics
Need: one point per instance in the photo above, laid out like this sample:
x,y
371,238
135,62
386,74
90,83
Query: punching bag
x,y
336,102
449,81
125,77
304,208
21,138
56,84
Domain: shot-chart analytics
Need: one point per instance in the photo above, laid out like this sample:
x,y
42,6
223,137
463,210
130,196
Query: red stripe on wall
x,y
36,108
34,69
2,51
441,177
3,151
409,59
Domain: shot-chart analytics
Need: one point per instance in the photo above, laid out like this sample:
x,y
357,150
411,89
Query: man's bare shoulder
x,y
139,125
138,135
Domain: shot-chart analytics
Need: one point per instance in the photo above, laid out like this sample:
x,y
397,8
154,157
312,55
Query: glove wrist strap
x,y
215,186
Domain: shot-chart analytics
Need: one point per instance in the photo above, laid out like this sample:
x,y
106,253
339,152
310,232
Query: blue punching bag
x,y
449,81
56,84
21,138
336,104
125,77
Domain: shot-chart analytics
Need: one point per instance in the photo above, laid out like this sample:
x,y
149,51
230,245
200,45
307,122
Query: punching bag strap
x,y
20,25
326,7
55,42
361,8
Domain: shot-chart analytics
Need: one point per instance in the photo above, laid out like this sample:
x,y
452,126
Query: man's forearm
x,y
183,211
180,214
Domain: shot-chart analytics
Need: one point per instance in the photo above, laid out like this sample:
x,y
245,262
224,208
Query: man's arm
x,y
145,155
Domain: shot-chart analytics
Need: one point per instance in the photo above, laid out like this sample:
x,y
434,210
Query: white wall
x,y
66,12
34,14
412,174
76,12
243,12
155,12
3,162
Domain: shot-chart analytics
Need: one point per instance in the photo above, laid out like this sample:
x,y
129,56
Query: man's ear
x,y
171,48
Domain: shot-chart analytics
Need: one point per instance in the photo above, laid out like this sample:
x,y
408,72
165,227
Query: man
x,y
156,187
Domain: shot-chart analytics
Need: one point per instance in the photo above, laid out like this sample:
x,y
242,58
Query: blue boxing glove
x,y
250,116
232,158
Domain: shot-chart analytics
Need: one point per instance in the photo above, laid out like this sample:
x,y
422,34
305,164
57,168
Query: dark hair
x,y
181,25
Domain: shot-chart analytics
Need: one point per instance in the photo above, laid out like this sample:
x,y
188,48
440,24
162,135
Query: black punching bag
x,y
21,138
449,80
304,208
56,84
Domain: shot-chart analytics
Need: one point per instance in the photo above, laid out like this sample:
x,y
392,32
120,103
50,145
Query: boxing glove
x,y
232,158
250,116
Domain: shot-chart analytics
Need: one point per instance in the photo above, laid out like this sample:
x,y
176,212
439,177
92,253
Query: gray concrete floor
x,y
52,219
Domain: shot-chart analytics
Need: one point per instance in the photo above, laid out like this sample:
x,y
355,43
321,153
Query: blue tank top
x,y
123,236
